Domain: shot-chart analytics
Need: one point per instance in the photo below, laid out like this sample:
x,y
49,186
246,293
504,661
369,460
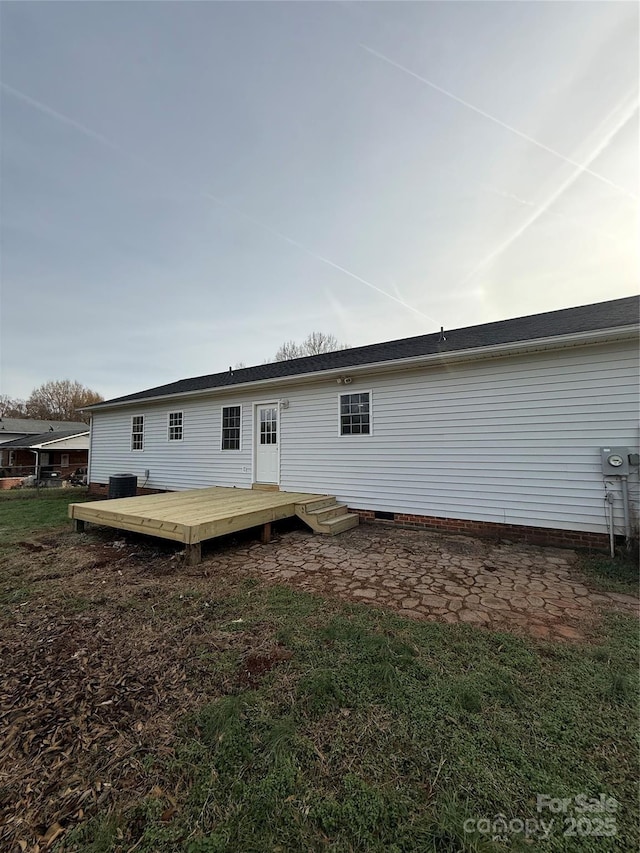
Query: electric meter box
x,y
615,461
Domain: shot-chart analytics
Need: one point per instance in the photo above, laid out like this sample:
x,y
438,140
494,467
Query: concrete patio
x,y
429,576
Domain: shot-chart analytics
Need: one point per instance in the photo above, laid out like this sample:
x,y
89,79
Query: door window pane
x,y
268,426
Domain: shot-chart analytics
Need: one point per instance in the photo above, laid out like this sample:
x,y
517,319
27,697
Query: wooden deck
x,y
198,514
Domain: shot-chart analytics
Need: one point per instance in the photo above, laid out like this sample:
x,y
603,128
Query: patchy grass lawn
x,y
152,706
24,511
619,575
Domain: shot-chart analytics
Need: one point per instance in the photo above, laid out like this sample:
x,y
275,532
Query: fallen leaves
x,y
83,699
97,670
54,831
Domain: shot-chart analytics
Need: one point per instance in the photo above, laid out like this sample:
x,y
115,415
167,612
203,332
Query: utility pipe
x,y
612,542
624,483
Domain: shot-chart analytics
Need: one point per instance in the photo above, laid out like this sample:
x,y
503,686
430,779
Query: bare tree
x,y
60,400
11,407
314,344
319,342
288,350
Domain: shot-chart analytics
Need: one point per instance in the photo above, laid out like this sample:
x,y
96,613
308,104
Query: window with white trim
x,y
64,460
175,426
231,417
355,414
137,432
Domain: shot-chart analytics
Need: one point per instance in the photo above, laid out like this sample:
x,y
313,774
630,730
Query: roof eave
x,y
39,444
469,354
57,440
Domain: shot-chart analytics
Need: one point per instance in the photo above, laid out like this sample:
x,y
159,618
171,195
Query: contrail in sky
x,y
623,119
583,167
43,108
315,255
98,137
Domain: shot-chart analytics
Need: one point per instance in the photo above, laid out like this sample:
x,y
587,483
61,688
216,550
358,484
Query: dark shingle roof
x,y
29,426
55,435
586,318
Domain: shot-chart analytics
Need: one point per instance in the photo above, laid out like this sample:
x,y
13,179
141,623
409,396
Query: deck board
x,y
194,515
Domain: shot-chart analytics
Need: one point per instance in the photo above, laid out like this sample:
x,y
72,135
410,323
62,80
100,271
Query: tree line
x,y
52,401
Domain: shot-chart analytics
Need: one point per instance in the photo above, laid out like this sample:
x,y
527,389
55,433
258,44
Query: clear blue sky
x,y
182,182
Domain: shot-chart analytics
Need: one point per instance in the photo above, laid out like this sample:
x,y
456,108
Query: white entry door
x,y
267,443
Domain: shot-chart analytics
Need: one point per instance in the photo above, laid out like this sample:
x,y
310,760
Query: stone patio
x,y
424,575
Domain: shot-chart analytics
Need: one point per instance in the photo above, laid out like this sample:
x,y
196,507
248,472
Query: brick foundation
x,y
492,530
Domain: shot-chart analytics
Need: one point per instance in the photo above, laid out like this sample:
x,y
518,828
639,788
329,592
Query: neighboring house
x,y
11,428
493,429
56,450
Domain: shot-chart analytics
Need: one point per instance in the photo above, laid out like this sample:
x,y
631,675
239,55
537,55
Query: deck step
x,y
328,512
325,515
318,503
341,523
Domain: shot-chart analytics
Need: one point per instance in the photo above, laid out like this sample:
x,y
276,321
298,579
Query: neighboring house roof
x,y
27,426
45,438
600,316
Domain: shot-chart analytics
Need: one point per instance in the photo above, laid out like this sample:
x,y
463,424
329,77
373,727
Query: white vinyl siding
x,y
194,462
514,440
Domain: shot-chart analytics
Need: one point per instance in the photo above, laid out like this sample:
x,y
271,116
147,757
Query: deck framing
x,y
193,516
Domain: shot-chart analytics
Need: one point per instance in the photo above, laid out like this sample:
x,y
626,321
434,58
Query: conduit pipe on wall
x,y
609,498
624,484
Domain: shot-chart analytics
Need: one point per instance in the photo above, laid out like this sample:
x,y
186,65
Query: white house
x,y
494,429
